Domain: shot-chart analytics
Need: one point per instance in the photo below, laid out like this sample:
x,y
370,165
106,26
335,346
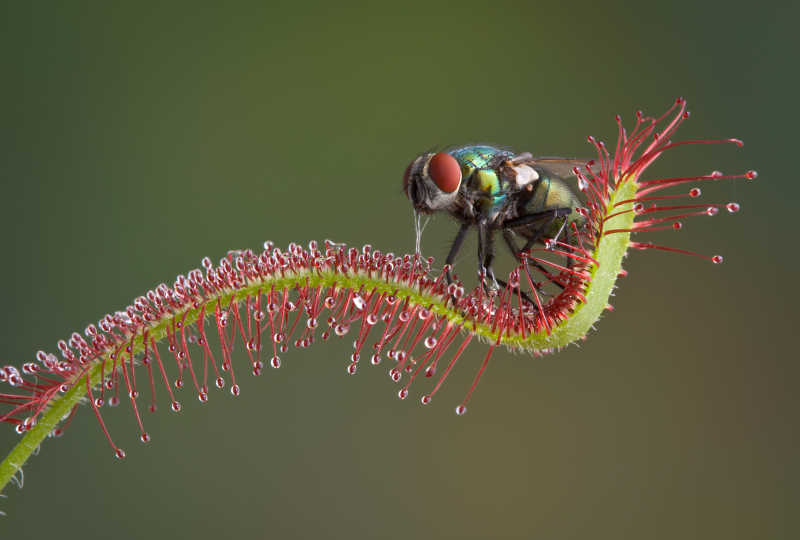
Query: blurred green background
x,y
136,140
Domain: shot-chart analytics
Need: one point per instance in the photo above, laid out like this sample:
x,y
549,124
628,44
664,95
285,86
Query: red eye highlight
x,y
445,172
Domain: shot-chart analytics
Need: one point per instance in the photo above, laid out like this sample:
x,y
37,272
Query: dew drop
x,y
120,453
355,357
751,175
425,399
175,406
375,359
403,394
275,362
677,225
178,384
430,371
235,390
98,402
202,397
283,348
695,192
352,368
144,437
717,259
372,319
220,382
311,323
733,207
395,374
460,410
712,211
358,302
341,329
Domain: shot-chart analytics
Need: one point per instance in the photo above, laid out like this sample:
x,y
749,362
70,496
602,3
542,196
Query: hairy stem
x,y
609,254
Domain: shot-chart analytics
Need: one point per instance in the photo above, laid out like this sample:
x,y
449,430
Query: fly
x,y
496,190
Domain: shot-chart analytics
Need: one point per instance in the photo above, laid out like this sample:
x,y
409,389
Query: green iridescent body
x,y
495,190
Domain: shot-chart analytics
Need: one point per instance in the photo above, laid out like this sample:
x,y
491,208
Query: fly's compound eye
x,y
445,172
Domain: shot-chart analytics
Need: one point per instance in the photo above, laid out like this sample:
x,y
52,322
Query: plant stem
x,y
609,254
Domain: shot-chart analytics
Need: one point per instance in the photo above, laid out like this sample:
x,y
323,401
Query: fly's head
x,y
431,182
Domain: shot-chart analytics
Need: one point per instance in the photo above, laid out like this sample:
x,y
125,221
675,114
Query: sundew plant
x,y
399,312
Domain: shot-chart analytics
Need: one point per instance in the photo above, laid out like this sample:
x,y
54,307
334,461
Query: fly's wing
x,y
559,167
523,170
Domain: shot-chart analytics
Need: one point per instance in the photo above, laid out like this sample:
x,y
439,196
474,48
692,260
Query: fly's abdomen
x,y
551,194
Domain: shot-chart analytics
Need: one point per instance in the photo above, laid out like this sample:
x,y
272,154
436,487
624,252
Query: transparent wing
x,y
558,167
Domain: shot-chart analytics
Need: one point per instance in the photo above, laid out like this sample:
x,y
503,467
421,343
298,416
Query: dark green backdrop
x,y
134,141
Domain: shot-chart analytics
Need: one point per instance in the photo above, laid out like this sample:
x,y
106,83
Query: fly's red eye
x,y
445,172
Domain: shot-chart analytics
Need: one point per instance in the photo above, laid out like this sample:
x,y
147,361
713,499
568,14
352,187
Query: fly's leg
x,y
523,260
548,216
451,256
486,255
